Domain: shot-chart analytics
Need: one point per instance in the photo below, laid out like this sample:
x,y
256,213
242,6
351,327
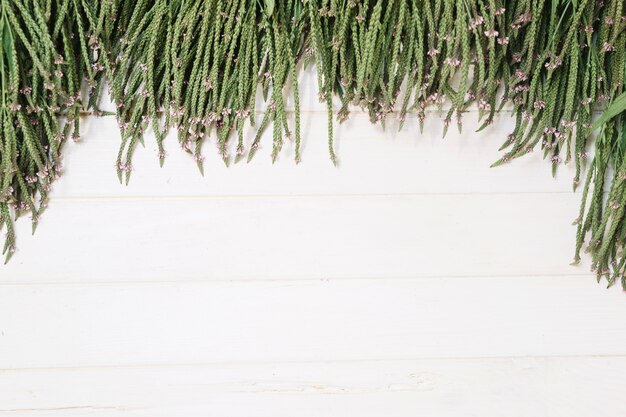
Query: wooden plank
x,y
160,323
372,161
298,237
518,387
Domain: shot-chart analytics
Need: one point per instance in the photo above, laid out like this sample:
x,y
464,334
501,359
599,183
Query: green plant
x,y
555,62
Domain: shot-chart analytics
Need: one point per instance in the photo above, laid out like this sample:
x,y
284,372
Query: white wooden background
x,y
413,280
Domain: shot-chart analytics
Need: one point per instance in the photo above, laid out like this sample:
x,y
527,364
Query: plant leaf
x,y
616,106
7,45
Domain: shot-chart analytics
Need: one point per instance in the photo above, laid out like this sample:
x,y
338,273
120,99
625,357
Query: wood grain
x,y
299,237
517,387
223,322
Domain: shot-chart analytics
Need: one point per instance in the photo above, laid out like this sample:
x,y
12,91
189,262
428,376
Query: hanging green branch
x,y
42,70
196,67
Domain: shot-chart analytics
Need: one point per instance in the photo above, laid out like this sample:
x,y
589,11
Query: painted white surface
x,y
411,280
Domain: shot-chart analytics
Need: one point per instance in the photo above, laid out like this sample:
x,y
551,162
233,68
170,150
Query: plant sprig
x,y
198,67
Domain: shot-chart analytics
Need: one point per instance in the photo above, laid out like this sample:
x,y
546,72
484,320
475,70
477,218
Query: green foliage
x,y
41,71
199,66
617,106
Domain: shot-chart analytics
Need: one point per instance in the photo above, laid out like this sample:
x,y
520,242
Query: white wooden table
x,y
413,280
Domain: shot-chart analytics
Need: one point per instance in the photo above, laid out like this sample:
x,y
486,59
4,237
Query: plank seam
x,y
267,280
329,361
